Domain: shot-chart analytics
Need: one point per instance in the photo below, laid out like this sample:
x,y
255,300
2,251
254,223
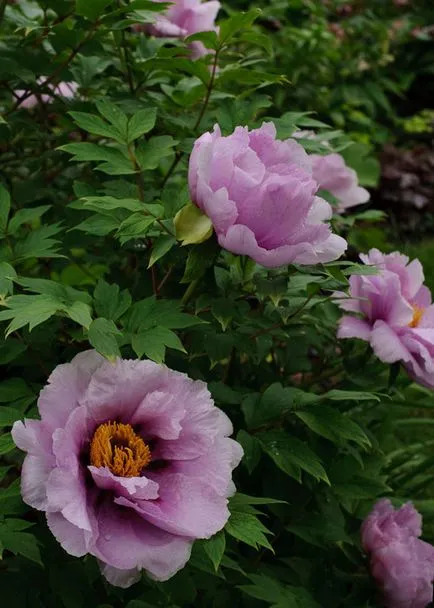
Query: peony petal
x,y
138,488
66,385
126,541
386,344
187,507
72,539
352,327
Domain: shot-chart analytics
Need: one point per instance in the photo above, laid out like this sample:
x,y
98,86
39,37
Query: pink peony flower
x,y
63,89
402,564
185,18
333,174
131,463
259,193
395,313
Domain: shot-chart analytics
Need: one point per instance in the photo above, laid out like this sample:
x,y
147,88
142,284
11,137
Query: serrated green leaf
x,y
110,302
7,274
153,343
102,335
247,528
94,124
39,244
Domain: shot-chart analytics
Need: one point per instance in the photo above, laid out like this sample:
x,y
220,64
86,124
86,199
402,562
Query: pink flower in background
x,y
333,174
185,18
395,313
131,463
259,193
401,563
63,89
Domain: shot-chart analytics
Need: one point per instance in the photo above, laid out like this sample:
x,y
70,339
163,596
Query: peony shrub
x,y
215,383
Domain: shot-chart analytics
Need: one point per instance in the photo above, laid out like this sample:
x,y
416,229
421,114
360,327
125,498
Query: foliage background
x,y
88,256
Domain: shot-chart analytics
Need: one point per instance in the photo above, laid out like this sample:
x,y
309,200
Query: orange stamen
x,y
417,316
117,447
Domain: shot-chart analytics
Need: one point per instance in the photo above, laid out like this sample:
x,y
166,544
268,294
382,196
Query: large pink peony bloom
x,y
259,193
63,89
185,18
334,175
131,462
402,564
395,313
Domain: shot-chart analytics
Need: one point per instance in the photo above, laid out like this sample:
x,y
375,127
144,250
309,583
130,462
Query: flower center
x,y
417,316
118,447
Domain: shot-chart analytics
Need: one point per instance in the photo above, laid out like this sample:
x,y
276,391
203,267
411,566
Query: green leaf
x,y
140,123
26,216
247,528
102,335
6,444
215,548
80,313
5,207
135,226
115,117
239,21
91,9
339,395
7,274
8,416
28,310
333,425
153,343
19,543
160,247
94,124
289,452
200,258
151,152
39,244
252,450
115,163
110,302
276,402
13,389
98,225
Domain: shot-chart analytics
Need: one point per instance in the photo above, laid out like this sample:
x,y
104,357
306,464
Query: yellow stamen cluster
x,y
417,316
117,447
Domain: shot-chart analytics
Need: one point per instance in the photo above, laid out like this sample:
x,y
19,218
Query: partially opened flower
x,y
395,314
401,563
131,463
63,89
259,193
334,175
185,18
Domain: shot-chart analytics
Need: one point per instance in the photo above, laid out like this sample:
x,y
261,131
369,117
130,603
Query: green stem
x,y
189,292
